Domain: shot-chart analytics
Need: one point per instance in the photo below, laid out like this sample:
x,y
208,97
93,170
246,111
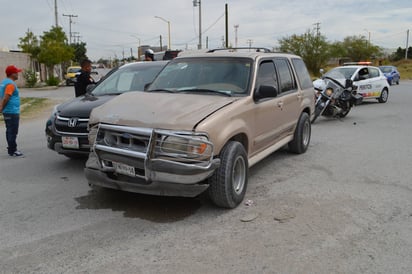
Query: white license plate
x,y
70,142
124,169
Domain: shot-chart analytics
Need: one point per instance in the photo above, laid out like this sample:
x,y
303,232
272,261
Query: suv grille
x,y
138,147
71,125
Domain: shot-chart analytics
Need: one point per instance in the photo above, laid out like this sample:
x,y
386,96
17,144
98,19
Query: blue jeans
x,y
12,128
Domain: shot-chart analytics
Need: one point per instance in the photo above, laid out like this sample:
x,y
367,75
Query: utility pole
x,y
317,28
227,26
161,46
70,25
76,37
236,28
195,4
407,42
249,41
55,14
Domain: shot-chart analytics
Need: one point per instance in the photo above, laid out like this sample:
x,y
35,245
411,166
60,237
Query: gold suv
x,y
200,125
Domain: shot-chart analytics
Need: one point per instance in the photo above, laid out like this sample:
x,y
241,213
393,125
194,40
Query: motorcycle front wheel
x,y
318,110
345,111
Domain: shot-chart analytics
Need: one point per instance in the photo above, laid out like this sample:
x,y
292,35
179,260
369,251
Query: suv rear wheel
x,y
228,184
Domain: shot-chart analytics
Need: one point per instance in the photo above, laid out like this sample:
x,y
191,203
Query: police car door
x,y
376,81
363,82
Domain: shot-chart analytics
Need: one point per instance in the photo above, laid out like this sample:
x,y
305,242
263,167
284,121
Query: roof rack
x,y
257,49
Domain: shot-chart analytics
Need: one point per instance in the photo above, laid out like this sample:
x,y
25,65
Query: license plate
x,y
124,169
70,142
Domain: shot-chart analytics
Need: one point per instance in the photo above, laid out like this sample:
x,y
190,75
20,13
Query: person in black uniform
x,y
83,79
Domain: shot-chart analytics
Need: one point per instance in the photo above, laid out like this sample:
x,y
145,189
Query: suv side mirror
x,y
266,92
89,88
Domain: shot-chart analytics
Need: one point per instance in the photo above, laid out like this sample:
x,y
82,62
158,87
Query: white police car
x,y
370,82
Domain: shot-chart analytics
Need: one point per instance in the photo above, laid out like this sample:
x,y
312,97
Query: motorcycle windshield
x,y
337,90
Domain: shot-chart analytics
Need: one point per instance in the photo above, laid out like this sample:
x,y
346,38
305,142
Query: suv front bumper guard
x,y
140,149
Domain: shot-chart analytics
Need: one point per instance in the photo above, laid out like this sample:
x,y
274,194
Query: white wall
x,y
19,59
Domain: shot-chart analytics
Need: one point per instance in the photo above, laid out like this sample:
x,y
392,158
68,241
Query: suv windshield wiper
x,y
111,93
162,90
200,90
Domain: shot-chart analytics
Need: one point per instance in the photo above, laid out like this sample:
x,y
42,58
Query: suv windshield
x,y
227,76
128,78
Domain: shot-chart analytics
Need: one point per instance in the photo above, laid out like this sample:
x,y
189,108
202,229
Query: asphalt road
x,y
345,206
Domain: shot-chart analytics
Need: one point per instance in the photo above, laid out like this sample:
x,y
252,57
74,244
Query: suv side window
x,y
286,79
302,73
267,75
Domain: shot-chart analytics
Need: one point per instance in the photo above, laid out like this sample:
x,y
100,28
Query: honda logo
x,y
72,122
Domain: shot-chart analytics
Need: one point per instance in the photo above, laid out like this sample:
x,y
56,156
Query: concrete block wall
x,y
19,59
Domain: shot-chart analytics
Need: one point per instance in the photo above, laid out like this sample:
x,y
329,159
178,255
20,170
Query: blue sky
x,y
110,28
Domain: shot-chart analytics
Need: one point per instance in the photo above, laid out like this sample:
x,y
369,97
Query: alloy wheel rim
x,y
239,175
306,133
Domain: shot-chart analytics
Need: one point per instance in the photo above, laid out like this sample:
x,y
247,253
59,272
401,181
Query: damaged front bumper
x,y
150,161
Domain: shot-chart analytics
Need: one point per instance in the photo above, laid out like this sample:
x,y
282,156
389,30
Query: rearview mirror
x,y
89,88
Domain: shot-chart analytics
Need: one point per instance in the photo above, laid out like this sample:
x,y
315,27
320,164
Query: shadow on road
x,y
152,208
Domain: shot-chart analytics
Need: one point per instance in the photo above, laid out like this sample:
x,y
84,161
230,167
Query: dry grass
x,y
33,107
405,68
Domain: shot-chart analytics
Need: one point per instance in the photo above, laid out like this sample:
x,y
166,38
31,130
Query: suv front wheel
x,y
228,184
301,137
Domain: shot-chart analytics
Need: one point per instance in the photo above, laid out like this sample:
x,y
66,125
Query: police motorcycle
x,y
335,98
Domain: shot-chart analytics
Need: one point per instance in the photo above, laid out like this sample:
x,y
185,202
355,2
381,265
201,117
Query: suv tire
x,y
227,186
301,137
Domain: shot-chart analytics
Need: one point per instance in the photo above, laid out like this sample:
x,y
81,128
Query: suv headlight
x,y
191,147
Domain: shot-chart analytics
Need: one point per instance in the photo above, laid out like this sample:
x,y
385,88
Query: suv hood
x,y
81,106
159,110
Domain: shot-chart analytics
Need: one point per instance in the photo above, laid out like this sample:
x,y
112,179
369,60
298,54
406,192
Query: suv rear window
x,y
302,73
286,79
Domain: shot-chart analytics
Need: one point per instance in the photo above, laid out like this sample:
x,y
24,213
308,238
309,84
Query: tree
x,y
79,52
54,49
312,47
400,54
30,44
356,48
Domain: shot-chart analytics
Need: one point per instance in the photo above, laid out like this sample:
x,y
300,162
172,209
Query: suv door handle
x,y
280,104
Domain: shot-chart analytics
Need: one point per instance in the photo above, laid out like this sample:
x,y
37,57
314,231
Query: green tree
x,y
79,52
356,48
54,49
399,54
30,44
312,47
